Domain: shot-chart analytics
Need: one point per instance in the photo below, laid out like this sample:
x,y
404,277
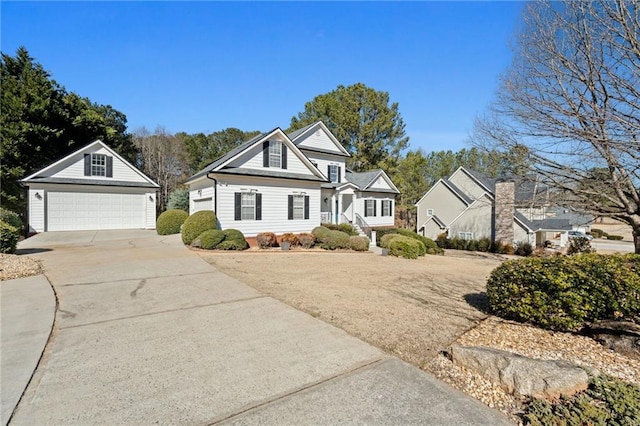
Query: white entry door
x,y
76,211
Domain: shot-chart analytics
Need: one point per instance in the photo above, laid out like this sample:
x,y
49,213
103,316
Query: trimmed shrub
x,y
597,233
430,245
196,224
579,245
289,238
210,239
233,245
524,249
564,292
266,240
320,232
384,241
614,237
12,218
179,199
358,243
8,237
233,235
335,240
381,232
406,247
170,221
347,229
330,226
607,400
306,240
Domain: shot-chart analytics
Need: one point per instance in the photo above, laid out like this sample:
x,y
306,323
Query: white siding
x,y
274,205
75,169
378,219
380,183
201,194
318,140
252,159
324,160
36,209
150,214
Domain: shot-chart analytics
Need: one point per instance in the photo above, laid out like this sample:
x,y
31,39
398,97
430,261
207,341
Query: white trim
x,y
385,177
312,128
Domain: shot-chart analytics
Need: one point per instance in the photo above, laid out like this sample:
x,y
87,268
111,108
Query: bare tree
x,y
571,103
161,158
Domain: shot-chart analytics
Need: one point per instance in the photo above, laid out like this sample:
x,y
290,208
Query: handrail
x,y
361,222
344,218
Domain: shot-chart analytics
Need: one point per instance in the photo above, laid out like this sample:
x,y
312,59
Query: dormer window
x,y
274,154
334,173
98,165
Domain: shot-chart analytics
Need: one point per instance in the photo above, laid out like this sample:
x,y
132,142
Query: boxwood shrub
x,y
334,240
233,245
196,224
320,232
564,292
406,247
8,237
11,218
358,243
210,239
170,221
430,245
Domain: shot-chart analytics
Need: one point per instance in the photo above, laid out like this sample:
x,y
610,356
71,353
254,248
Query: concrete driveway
x,y
147,332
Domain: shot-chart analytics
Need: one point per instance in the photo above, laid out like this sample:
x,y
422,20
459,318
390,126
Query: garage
x,y
202,204
78,211
93,188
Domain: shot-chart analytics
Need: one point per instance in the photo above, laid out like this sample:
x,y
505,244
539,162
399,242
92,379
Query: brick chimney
x,y
504,210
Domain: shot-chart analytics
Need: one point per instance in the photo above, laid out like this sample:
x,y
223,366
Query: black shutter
x,y
390,208
290,207
306,207
238,206
339,174
329,172
87,164
365,208
109,166
265,154
374,207
284,156
258,206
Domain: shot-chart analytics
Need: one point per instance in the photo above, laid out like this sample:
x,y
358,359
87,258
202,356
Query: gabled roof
x,y
221,163
437,220
524,221
365,179
552,225
489,184
43,174
457,191
297,137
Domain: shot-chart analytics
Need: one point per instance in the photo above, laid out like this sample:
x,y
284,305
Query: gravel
x,y
13,266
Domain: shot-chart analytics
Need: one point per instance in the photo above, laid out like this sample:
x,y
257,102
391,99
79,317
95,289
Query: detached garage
x,y
91,189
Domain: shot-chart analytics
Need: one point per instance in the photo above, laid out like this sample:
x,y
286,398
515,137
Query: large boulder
x,y
619,336
520,375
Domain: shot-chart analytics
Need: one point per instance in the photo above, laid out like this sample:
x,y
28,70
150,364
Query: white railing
x,y
325,217
344,218
362,223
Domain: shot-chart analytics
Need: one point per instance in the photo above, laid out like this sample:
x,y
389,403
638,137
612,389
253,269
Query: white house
x,y
92,188
281,183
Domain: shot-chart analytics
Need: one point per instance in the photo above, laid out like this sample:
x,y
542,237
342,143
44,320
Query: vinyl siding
x,y
324,160
380,183
520,234
431,230
150,214
445,204
36,209
318,140
75,169
275,194
469,186
252,159
476,219
201,192
378,219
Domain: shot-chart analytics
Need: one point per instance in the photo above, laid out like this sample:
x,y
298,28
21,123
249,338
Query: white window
x,y
369,208
466,235
333,173
248,206
429,212
275,154
298,207
386,207
98,165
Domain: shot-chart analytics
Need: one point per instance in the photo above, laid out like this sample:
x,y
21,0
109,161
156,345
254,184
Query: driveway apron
x,y
147,332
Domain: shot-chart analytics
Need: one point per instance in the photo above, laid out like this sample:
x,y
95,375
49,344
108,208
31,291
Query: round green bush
x,y
211,239
386,238
320,232
11,218
196,224
8,237
335,240
406,247
170,221
430,245
233,235
347,229
358,243
564,292
233,245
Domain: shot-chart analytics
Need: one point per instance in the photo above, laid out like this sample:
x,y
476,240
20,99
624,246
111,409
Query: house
x,y
469,205
278,182
91,188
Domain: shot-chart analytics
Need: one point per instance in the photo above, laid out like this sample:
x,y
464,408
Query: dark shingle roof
x,y
75,181
552,225
526,222
437,220
489,183
363,179
298,132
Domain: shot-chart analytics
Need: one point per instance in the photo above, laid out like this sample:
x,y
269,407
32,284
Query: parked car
x,y
578,234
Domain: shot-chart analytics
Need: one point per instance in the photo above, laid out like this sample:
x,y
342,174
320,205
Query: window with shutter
x,y
369,208
98,165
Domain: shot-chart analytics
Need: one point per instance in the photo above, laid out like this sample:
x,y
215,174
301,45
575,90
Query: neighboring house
x,y
92,188
281,183
469,205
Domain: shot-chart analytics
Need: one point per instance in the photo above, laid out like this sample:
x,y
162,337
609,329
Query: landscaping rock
x,y
620,336
520,375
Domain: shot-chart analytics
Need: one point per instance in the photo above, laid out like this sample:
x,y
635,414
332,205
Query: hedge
x,y
565,292
210,239
406,247
11,218
358,243
8,237
430,245
335,240
196,224
320,232
170,221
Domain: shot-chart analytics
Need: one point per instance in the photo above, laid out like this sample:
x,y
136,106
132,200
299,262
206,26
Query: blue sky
x,y
205,66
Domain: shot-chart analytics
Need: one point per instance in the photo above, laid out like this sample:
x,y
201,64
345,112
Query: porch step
x,y
358,230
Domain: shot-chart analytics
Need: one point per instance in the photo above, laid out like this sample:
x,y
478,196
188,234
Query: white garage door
x,y
76,211
202,204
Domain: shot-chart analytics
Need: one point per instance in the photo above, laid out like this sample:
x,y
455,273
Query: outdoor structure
x,y
469,205
277,182
92,188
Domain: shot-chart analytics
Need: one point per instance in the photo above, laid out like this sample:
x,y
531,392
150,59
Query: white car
x,y
578,234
